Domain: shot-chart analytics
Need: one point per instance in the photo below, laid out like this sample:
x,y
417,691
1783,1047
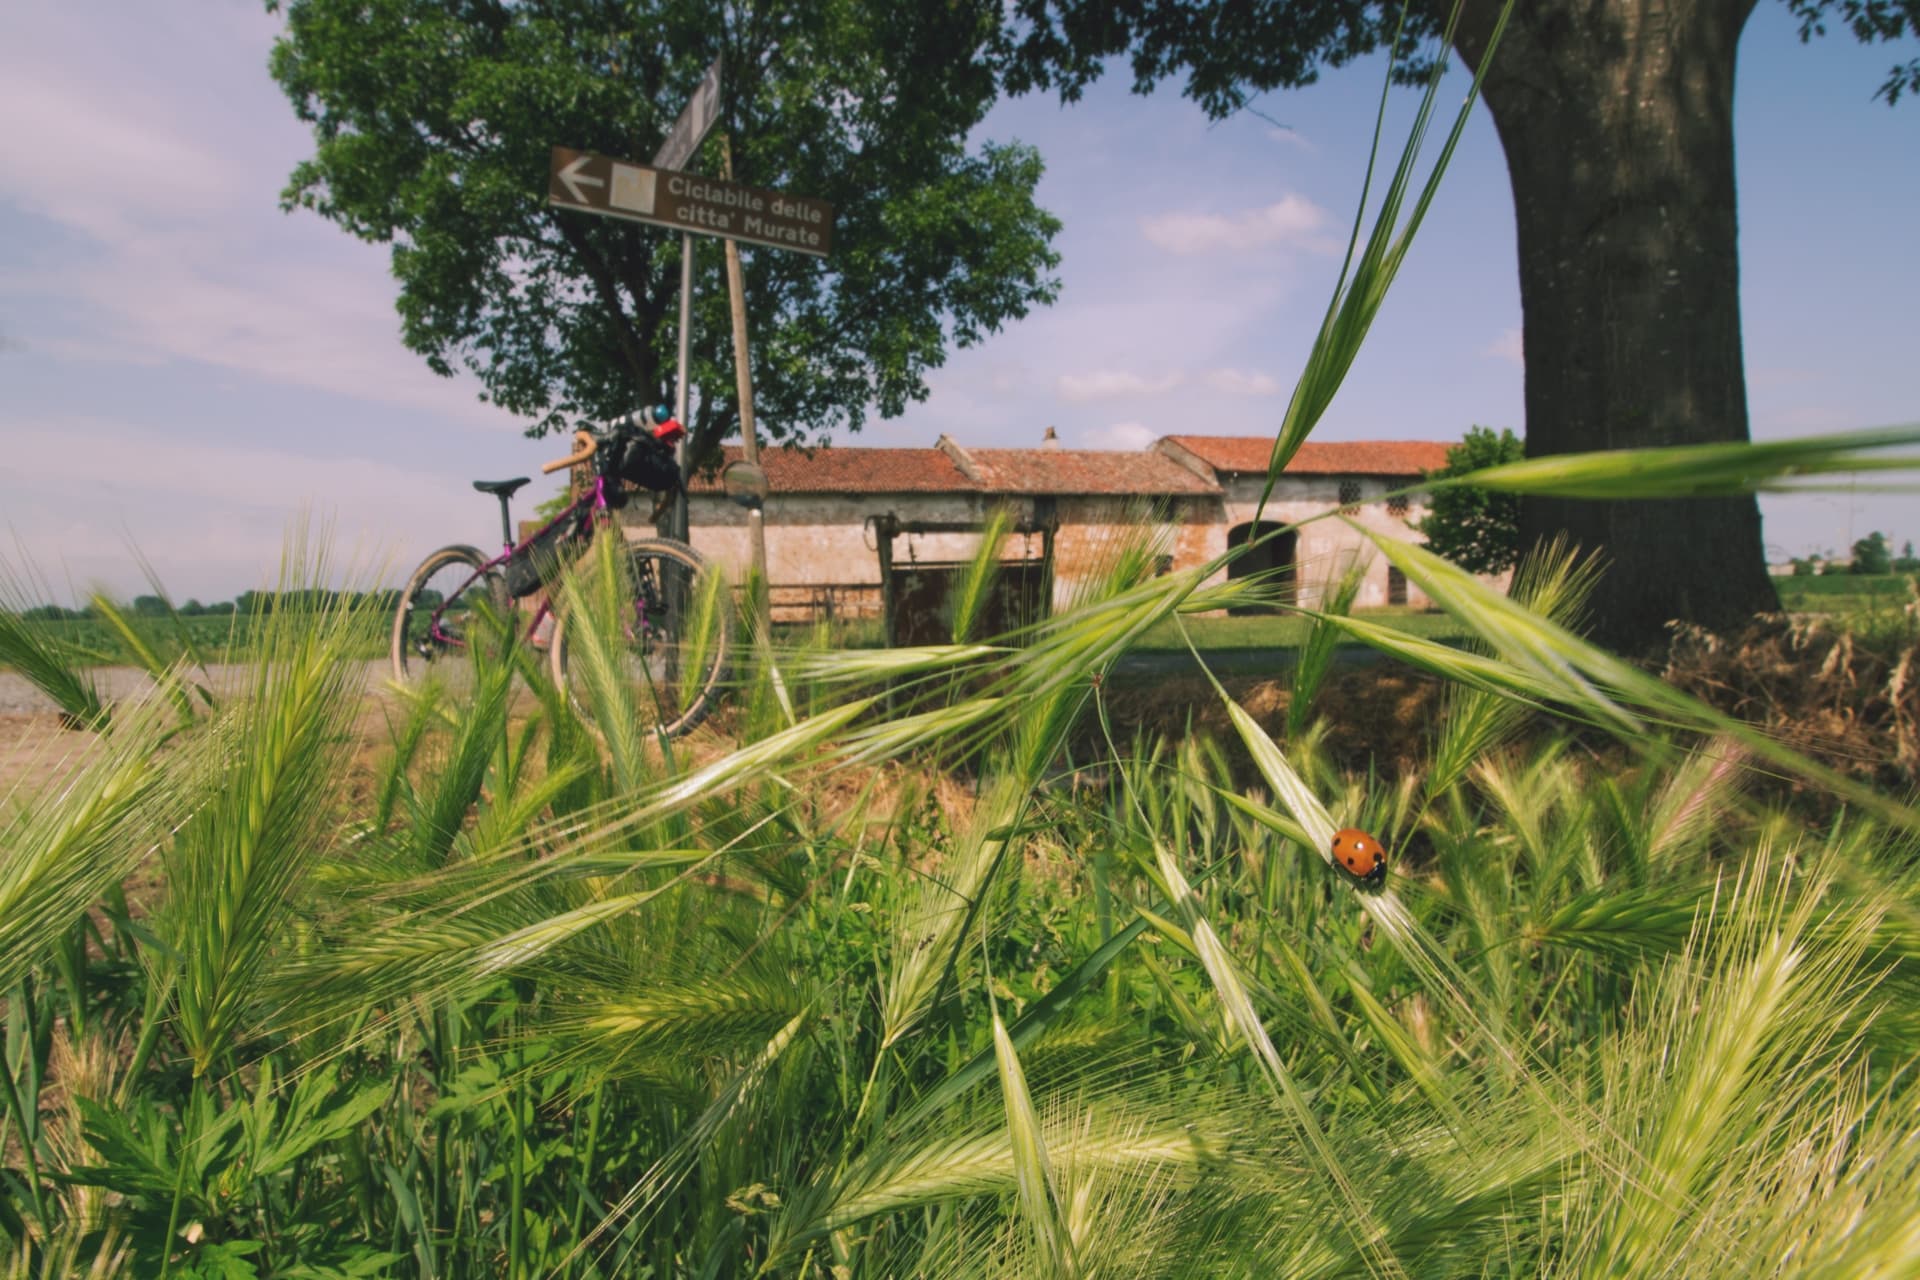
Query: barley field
x,y
945,962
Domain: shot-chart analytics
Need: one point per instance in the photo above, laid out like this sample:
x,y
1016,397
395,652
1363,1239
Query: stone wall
x,y
824,544
1328,546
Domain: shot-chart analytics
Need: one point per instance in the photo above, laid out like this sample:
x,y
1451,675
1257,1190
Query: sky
x,y
186,371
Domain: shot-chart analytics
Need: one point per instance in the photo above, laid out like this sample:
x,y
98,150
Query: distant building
x,y
829,509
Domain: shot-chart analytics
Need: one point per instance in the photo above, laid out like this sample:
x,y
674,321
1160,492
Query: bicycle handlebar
x,y
584,446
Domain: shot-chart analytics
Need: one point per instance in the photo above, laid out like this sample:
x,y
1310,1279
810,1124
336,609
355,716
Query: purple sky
x,y
186,369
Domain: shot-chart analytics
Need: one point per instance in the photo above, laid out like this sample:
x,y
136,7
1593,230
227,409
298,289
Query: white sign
x,y
695,122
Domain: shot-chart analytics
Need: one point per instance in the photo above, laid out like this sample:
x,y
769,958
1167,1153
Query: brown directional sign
x,y
704,206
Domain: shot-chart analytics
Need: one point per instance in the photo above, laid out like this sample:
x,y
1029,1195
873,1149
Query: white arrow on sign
x,y
575,180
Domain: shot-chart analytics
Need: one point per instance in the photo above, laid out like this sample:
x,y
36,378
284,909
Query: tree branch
x,y
606,286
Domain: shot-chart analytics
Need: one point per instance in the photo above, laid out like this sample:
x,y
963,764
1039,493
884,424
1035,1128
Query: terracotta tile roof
x,y
838,469
1243,454
1084,471
844,469
1156,472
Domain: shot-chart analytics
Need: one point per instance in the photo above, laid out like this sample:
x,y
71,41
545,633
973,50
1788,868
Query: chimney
x,y
1051,440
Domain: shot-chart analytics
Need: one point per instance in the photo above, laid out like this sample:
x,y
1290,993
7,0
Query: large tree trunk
x,y
1617,121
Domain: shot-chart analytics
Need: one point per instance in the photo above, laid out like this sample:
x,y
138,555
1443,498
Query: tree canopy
x,y
433,124
1616,119
1872,554
1230,51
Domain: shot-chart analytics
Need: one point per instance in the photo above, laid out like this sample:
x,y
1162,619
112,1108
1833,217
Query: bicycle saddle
x,y
505,488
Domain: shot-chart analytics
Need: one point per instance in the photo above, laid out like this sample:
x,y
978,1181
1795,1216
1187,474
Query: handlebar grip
x,y
583,447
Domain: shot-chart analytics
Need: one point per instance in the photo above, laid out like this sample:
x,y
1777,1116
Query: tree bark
x,y
1617,121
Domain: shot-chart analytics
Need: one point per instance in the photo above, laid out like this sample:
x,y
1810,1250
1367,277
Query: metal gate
x,y
916,598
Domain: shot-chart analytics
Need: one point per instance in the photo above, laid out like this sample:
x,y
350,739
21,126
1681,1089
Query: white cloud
x,y
1294,221
237,501
1506,347
150,187
1291,137
1105,384
1236,383
1119,435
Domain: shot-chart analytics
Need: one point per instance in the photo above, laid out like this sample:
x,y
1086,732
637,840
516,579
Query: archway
x,y
1272,560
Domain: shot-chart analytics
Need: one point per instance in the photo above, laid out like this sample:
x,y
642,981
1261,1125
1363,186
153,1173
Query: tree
x,y
434,122
1873,555
1475,528
1616,117
1906,562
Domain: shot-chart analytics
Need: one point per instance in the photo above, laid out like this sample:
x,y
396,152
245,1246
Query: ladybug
x,y
1361,855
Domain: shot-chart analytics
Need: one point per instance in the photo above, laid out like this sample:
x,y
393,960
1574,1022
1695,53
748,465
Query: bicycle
x,y
676,626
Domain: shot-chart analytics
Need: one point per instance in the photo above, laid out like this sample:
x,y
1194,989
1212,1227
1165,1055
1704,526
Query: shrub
x,y
1872,555
1477,530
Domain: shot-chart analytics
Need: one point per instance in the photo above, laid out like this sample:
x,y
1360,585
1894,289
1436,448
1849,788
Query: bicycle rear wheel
x,y
450,605
668,647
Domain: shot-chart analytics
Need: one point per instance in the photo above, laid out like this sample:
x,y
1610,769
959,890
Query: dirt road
x,y
34,744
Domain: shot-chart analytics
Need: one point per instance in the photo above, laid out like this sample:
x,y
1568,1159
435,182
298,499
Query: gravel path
x,y
36,748
18,696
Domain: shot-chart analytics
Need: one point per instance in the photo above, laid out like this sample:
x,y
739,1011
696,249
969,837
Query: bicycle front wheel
x,y
664,655
450,605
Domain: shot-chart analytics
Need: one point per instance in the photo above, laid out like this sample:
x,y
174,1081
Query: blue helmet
x,y
661,413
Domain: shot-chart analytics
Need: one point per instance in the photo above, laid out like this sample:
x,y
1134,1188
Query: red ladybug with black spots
x,y
1360,855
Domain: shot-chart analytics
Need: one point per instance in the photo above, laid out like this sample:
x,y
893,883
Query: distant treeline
x,y
246,604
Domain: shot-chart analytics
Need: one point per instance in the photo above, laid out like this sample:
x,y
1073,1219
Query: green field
x,y
1211,633
1216,634
215,638
92,642
1873,602
1840,593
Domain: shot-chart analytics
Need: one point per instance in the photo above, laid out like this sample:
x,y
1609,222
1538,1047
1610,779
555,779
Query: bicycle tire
x,y
413,652
672,701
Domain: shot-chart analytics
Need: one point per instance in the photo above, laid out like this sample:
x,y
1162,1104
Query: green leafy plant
x,y
1476,528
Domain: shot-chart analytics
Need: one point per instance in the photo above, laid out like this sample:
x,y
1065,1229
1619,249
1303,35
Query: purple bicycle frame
x,y
598,498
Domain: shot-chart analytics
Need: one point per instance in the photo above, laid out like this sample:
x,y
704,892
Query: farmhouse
x,y
840,520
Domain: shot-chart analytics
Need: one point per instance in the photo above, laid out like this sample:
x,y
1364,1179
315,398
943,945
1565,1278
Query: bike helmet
x,y
666,429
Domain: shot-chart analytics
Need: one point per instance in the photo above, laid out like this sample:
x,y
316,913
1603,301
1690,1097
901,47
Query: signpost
x,y
662,194
688,203
682,141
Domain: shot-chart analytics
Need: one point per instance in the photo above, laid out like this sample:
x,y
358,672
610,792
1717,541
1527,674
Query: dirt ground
x,y
36,746
1851,709
1376,710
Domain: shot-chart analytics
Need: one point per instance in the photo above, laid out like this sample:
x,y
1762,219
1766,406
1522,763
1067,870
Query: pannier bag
x,y
537,563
